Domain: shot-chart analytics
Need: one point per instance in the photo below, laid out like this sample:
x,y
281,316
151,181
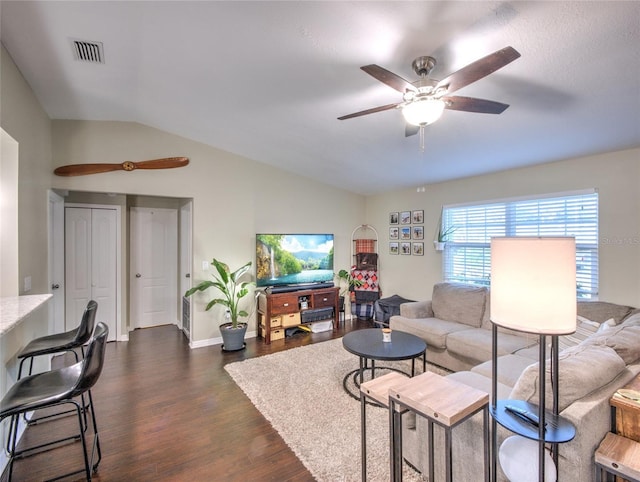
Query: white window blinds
x,y
467,256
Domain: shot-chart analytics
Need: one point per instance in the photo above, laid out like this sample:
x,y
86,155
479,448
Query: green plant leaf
x,y
201,287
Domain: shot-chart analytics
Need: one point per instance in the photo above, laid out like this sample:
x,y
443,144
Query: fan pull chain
x,y
422,138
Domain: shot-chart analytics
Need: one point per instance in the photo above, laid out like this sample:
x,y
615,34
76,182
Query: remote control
x,y
523,414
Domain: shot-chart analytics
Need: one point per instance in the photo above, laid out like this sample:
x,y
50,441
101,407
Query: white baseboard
x,y
216,341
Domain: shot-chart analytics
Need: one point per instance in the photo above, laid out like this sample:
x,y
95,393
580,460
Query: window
x,y
467,256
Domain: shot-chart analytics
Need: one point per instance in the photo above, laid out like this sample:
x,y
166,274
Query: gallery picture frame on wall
x,y
417,249
394,247
405,217
405,247
417,217
394,232
405,232
417,232
394,217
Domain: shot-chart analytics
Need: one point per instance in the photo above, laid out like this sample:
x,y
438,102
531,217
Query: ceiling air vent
x,y
87,51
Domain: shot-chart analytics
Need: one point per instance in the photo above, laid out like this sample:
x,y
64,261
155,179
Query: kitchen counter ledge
x,y
14,309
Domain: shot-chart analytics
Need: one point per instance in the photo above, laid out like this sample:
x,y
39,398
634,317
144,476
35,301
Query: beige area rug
x,y
300,391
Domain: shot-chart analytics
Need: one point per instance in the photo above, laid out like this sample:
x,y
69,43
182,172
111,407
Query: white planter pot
x,y
439,245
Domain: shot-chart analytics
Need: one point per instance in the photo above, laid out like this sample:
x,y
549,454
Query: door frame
x,y
55,220
119,284
186,261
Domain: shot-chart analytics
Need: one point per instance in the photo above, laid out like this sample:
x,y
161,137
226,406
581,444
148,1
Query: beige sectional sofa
x,y
594,363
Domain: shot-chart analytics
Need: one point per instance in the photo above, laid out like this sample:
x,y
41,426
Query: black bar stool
x,y
55,388
61,342
68,341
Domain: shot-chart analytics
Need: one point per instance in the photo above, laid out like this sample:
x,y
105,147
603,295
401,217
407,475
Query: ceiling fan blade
x,y
369,111
386,77
84,169
471,104
410,130
478,69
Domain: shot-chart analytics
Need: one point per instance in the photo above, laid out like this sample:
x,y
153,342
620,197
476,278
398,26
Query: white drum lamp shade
x,y
533,284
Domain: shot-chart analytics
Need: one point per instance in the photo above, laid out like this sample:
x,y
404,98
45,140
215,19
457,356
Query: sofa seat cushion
x,y
475,344
582,369
624,339
431,330
459,302
481,382
510,367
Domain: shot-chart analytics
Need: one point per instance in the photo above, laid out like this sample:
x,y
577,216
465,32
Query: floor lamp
x,y
533,290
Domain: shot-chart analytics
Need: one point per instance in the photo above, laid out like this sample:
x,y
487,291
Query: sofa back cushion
x,y
582,370
601,310
459,302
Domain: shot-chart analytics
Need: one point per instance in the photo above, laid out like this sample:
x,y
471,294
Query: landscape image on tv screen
x,y
288,259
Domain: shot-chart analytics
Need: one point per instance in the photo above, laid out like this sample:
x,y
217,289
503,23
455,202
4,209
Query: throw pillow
x,y
605,325
632,320
584,329
582,370
624,339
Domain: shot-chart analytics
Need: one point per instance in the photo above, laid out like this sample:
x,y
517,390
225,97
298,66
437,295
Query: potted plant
x,y
346,283
443,237
233,290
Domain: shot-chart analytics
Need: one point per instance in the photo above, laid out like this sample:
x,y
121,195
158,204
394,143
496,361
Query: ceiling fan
x,y
84,169
424,100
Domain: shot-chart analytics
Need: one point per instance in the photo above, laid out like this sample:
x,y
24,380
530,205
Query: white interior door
x,y
91,265
154,264
77,233
56,262
103,266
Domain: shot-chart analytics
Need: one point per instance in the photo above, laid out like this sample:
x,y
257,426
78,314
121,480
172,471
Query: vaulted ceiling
x,y
267,80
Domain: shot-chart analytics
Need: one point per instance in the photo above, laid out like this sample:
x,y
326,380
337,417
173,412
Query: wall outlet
x,y
205,266
27,284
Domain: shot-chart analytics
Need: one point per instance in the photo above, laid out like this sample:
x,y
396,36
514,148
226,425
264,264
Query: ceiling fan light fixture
x,y
423,112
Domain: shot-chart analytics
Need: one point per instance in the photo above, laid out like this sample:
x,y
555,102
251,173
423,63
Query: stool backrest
x,y
93,359
85,329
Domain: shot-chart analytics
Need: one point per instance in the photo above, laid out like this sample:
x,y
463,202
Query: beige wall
x,y
24,120
233,197
615,175
8,215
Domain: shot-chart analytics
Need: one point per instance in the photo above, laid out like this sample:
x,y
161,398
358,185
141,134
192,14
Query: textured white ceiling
x,y
267,79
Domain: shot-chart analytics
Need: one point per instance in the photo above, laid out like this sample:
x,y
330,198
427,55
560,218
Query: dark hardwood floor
x,y
166,412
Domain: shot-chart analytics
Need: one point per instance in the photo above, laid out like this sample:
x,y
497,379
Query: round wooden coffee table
x,y
368,346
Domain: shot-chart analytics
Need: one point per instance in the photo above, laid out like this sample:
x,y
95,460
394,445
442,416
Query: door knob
x,y
138,275
188,275
55,286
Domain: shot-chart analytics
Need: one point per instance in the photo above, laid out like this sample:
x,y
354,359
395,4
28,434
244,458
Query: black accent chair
x,y
56,388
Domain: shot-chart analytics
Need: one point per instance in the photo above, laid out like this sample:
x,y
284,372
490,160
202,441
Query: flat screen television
x,y
292,259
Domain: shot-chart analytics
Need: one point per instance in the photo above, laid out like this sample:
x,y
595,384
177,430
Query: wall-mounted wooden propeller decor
x,y
84,169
